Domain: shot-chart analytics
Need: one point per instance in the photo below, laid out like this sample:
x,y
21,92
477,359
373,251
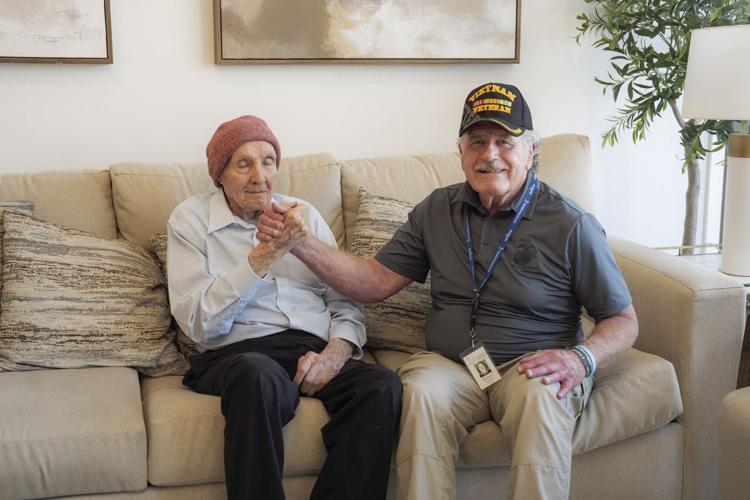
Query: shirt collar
x,y
220,216
466,194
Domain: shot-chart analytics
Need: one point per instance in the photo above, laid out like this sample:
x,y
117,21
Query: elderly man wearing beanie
x,y
270,330
512,262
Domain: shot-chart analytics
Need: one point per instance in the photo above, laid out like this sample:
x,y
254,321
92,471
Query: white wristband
x,y
590,355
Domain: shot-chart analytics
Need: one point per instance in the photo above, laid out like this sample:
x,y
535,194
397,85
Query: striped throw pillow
x,y
397,322
73,299
20,207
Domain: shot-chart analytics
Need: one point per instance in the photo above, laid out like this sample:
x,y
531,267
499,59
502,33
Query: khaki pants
x,y
441,405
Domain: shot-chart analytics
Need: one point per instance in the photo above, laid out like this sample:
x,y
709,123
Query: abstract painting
x,y
278,31
56,31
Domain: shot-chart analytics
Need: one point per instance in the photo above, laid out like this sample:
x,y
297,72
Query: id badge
x,y
480,365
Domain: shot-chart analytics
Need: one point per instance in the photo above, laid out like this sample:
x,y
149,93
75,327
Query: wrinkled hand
x,y
271,222
315,370
283,225
557,365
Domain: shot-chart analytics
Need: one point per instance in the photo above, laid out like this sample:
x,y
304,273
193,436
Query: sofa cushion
x,y
565,164
636,394
186,434
73,299
145,194
398,321
76,199
66,432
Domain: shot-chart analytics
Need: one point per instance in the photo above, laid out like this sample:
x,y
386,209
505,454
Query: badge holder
x,y
480,365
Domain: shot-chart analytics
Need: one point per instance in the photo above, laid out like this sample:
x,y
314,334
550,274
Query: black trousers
x,y
254,379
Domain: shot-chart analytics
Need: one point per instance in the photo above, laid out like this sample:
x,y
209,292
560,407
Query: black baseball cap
x,y
497,103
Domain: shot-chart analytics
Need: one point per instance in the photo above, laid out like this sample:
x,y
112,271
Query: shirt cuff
x,y
243,279
352,337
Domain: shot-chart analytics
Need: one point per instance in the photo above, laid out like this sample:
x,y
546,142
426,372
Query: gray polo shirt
x,y
556,262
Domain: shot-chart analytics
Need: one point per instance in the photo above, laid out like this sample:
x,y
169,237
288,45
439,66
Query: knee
x,y
531,399
251,365
384,386
390,382
254,373
424,394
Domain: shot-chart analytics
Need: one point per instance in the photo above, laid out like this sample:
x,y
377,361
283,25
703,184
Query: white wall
x,y
163,97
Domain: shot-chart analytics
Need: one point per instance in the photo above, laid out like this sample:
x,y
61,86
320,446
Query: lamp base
x,y
735,253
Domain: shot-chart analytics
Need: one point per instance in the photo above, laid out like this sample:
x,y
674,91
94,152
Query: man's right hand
x,y
274,243
283,225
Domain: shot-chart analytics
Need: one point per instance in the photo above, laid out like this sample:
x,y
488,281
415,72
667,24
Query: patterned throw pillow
x,y
185,344
397,322
73,299
19,207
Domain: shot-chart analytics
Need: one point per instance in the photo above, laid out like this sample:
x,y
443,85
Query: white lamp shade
x,y
718,74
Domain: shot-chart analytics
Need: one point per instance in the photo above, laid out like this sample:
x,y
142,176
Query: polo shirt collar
x,y
466,194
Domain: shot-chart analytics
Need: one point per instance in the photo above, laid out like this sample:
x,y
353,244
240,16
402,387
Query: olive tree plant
x,y
648,41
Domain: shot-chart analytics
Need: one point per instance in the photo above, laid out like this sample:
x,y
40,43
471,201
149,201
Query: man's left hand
x,y
315,370
557,365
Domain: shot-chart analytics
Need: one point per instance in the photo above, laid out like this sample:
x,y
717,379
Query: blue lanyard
x,y
498,252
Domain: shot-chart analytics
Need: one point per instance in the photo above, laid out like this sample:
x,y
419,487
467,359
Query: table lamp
x,y
717,87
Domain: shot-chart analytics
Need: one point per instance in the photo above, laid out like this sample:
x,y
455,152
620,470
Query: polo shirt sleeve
x,y
405,253
598,282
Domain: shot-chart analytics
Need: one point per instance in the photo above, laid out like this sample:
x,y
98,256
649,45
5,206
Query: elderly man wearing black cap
x,y
512,262
270,331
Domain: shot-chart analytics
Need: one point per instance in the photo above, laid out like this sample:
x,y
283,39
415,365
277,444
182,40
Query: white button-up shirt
x,y
216,297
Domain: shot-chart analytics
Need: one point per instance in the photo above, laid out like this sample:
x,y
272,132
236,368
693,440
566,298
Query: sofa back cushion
x,y
145,194
565,165
77,199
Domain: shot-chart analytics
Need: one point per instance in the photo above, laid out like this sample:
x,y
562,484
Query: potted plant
x,y
649,41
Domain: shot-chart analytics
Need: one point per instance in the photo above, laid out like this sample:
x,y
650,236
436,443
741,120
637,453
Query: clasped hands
x,y
554,365
283,225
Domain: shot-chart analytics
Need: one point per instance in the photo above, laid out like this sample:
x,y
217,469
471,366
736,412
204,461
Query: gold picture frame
x,y
366,31
61,32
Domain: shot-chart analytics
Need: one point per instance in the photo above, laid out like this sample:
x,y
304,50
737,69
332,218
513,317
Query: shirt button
x,y
485,242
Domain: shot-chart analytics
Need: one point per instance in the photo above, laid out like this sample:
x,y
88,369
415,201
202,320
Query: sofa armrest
x,y
692,316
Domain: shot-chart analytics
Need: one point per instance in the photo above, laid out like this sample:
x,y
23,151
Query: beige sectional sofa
x,y
649,432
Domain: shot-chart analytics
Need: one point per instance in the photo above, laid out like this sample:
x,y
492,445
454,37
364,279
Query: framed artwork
x,y
376,31
55,31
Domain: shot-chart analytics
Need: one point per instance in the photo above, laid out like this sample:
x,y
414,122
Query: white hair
x,y
532,138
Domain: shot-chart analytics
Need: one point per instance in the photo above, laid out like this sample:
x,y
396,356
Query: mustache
x,y
490,166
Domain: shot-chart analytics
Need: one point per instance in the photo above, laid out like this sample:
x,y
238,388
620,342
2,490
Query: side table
x,y
713,261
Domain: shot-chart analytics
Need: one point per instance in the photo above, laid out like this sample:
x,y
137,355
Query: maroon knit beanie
x,y
233,134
